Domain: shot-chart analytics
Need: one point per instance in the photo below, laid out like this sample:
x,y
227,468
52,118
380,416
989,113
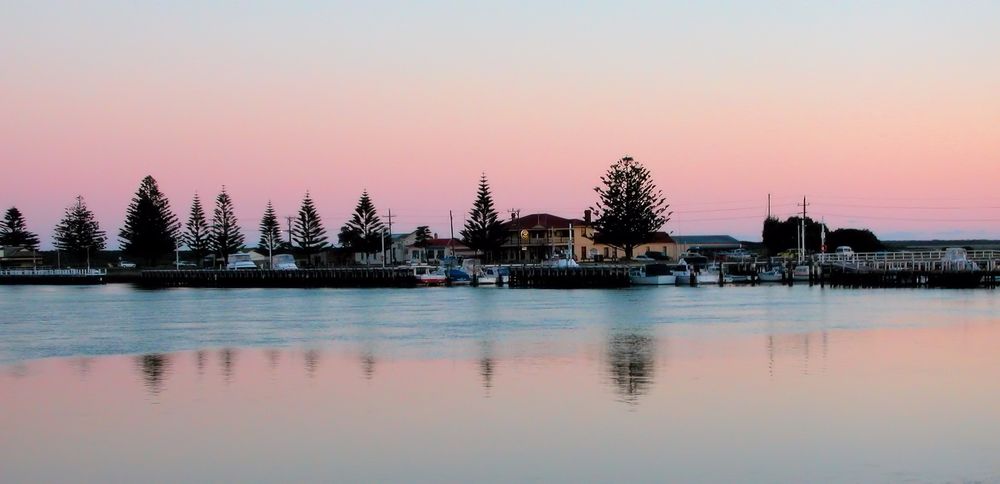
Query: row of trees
x,y
629,209
781,235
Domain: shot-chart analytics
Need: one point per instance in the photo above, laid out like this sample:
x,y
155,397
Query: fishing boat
x,y
652,275
428,275
456,276
957,271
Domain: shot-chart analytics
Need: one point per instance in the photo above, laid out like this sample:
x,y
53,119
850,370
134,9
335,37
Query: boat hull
x,y
667,280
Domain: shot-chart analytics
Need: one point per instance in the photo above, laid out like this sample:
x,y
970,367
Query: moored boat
x,y
652,275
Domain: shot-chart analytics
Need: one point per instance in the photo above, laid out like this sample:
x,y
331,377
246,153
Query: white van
x,y
284,262
240,261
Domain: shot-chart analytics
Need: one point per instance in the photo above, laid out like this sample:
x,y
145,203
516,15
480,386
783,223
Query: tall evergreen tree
x,y
483,230
270,230
78,233
226,235
629,207
14,231
422,238
309,234
363,232
151,230
197,234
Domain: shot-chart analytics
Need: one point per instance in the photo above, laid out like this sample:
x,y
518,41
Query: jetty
x,y
53,276
335,277
940,268
589,276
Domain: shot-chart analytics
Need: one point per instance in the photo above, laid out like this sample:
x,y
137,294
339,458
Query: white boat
x,y
560,262
428,275
801,272
651,275
240,261
682,273
772,275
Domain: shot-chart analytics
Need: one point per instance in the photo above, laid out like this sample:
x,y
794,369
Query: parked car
x,y
844,250
240,261
124,264
643,258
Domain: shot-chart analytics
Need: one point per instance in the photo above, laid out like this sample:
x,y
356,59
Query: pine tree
x,y
483,230
309,234
151,230
363,231
14,231
78,233
197,235
422,237
270,230
629,207
226,235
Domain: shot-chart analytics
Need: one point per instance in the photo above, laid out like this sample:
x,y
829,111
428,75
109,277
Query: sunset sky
x,y
885,114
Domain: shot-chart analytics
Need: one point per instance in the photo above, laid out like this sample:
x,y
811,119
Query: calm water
x,y
764,384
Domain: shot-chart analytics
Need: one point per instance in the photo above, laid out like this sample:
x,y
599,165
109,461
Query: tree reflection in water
x,y
199,358
228,359
487,366
311,358
154,368
631,362
368,363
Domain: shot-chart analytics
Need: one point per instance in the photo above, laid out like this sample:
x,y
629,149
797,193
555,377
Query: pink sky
x,y
876,113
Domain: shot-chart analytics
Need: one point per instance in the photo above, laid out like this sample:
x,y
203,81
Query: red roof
x,y
542,221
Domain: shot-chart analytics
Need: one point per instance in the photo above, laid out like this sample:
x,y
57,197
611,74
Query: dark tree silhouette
x,y
629,208
422,237
78,233
226,235
197,234
309,234
778,236
151,230
14,231
270,230
483,230
861,240
364,231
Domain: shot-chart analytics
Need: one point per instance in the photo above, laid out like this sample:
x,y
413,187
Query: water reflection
x,y
311,359
200,357
227,358
368,363
154,369
486,365
631,362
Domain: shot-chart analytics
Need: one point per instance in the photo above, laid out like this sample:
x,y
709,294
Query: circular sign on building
x,y
524,234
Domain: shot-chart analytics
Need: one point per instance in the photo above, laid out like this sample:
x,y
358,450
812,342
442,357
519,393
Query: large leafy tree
x,y
197,233
78,233
483,230
363,232
629,207
780,235
270,230
151,229
309,234
226,235
14,231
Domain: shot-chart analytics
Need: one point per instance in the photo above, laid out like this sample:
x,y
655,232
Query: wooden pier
x,y
53,276
338,277
907,269
603,276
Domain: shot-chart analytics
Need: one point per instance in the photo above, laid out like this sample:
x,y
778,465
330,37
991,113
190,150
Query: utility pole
x,y
769,206
802,249
392,251
451,241
514,215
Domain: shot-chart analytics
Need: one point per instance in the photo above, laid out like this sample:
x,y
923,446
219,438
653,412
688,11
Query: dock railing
x,y
53,272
